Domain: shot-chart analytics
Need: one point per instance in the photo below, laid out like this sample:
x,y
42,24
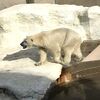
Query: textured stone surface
x,y
94,20
6,3
29,19
17,70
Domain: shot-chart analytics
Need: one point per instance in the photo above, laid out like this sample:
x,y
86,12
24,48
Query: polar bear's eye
x,y
32,40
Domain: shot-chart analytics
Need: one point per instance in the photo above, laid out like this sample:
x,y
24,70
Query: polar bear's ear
x,y
32,40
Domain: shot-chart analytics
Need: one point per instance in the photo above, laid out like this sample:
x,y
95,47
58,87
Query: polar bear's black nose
x,y
24,44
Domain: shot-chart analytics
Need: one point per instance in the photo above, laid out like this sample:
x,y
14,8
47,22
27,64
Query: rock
x,y
17,70
26,80
6,3
88,46
26,19
94,21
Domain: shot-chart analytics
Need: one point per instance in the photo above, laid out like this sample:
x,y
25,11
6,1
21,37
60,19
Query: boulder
x,y
17,71
94,21
27,19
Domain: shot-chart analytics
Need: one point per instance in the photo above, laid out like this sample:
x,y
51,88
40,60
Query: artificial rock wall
x,y
25,19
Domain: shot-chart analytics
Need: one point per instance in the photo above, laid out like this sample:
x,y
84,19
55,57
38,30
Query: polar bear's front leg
x,y
43,57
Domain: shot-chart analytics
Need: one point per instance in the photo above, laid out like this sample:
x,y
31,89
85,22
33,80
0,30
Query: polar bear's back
x,y
61,36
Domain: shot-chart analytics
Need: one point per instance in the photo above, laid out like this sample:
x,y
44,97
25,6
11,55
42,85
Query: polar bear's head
x,y
32,41
27,42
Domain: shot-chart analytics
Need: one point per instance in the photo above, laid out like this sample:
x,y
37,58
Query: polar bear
x,y
56,41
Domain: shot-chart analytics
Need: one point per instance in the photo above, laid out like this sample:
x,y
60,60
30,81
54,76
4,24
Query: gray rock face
x,y
6,3
33,18
94,16
17,70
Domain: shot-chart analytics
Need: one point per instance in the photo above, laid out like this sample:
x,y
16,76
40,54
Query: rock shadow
x,y
84,21
19,86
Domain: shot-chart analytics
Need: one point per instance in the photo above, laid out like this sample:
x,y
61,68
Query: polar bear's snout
x,y
24,44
